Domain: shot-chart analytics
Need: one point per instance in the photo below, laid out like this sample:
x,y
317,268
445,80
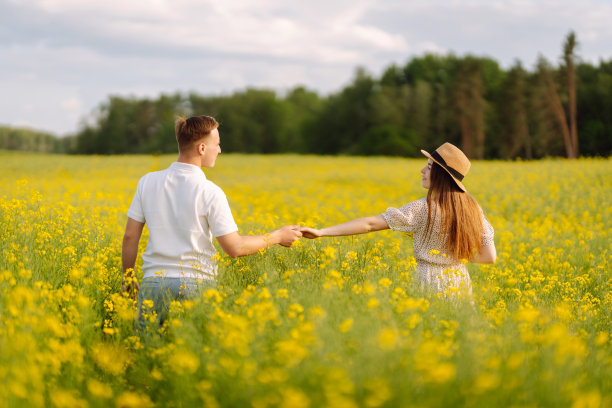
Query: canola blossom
x,y
333,322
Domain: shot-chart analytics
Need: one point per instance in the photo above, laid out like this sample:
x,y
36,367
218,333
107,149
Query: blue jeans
x,y
156,294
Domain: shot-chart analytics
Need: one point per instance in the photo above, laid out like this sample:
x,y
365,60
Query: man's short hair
x,y
193,129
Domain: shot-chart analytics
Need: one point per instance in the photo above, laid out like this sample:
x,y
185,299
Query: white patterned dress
x,y
436,271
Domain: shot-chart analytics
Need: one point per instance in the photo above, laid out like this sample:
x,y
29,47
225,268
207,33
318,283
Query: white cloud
x,y
63,57
71,104
335,34
429,47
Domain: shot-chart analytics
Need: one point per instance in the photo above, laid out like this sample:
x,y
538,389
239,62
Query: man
x,y
183,212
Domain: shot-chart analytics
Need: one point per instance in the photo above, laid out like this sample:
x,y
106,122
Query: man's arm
x,y
236,245
129,252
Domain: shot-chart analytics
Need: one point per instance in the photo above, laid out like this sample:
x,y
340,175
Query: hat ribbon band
x,y
452,171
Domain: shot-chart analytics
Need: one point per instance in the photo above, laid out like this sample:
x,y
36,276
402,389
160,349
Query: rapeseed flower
x,y
331,322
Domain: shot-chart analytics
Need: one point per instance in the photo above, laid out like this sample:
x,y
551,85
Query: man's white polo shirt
x,y
183,212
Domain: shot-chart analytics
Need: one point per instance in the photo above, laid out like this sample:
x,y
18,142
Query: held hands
x,y
310,233
288,235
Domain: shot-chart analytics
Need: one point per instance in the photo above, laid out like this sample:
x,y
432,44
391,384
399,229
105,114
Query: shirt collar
x,y
186,167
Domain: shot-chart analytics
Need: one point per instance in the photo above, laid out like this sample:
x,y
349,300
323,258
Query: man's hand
x,y
129,251
288,235
129,285
310,233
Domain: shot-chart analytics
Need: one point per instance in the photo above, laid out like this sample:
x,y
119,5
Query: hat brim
x,y
459,183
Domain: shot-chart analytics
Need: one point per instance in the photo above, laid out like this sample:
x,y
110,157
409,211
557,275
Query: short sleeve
x,y
408,218
488,232
135,212
220,218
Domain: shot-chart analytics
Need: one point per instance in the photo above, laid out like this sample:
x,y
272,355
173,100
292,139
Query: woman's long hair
x,y
460,215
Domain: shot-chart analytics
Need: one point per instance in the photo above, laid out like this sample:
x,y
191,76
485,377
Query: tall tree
x,y
569,57
470,105
545,71
303,107
420,107
439,72
345,117
513,115
594,95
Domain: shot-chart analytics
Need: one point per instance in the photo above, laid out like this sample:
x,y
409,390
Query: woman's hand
x,y
310,233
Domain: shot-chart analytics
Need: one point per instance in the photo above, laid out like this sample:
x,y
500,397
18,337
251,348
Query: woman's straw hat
x,y
452,159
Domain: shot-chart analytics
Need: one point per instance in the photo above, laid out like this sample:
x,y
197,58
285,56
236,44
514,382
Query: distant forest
x,y
563,110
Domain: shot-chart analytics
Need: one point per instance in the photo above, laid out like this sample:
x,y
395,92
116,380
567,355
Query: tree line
x,y
563,110
32,140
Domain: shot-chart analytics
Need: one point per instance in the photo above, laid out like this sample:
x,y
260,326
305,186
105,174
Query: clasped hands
x,y
291,233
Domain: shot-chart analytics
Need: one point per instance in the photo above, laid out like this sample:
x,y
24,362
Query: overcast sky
x,y
59,59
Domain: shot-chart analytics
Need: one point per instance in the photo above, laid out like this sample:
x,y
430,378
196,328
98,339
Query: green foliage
x,y
388,140
595,108
131,125
32,140
470,101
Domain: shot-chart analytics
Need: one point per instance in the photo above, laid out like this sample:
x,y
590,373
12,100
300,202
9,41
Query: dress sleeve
x,y
488,232
408,218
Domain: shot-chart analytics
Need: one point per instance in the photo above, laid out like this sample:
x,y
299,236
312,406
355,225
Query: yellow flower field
x,y
333,322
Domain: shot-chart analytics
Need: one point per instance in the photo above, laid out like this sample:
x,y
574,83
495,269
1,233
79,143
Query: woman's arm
x,y
358,226
486,254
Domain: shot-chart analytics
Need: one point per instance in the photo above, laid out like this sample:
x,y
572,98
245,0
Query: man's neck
x,y
189,160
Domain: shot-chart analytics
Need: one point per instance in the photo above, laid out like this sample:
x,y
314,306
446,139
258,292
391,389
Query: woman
x,y
449,227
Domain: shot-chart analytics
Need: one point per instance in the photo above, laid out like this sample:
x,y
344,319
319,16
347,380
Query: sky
x,y
60,59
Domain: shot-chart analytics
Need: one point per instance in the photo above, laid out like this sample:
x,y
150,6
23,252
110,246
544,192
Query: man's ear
x,y
202,148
